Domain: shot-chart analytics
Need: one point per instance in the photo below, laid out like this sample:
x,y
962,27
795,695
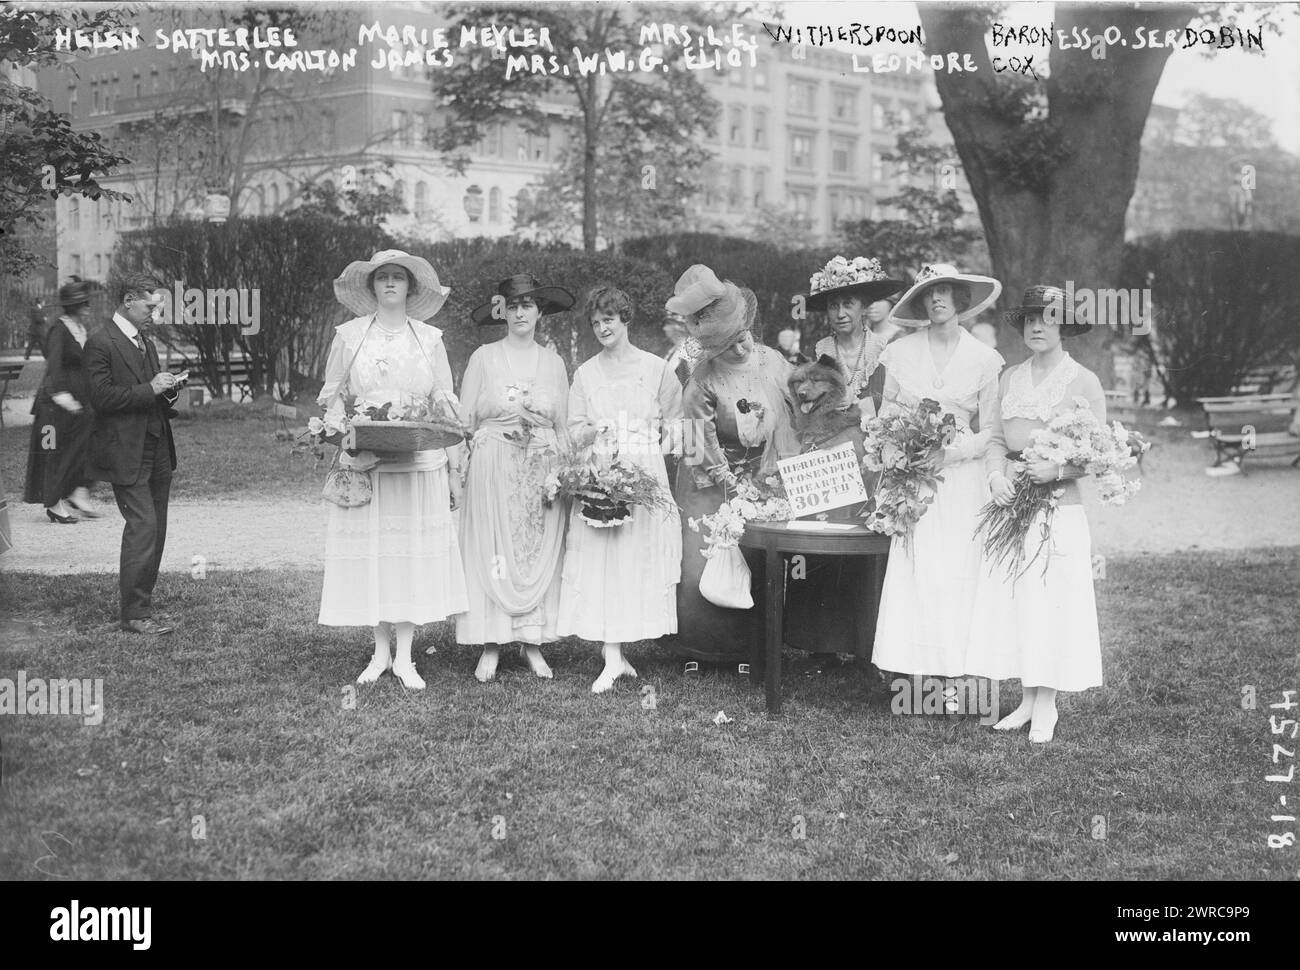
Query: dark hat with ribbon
x,y
74,294
1050,301
549,299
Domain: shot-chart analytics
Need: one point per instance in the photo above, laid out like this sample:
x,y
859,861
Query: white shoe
x,y
1219,471
537,663
610,674
407,674
374,670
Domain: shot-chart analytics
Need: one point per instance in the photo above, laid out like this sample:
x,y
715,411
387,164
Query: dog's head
x,y
819,385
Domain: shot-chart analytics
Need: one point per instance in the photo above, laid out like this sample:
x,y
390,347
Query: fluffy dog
x,y
824,415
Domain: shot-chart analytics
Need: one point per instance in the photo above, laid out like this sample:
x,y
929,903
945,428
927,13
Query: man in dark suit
x,y
131,444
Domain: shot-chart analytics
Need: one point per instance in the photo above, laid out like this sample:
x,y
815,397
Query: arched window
x,y
421,199
399,187
494,204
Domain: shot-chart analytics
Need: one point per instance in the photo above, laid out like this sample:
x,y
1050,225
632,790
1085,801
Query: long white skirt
x,y
1043,630
619,584
929,593
396,559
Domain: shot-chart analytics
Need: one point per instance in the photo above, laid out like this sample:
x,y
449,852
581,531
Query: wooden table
x,y
778,540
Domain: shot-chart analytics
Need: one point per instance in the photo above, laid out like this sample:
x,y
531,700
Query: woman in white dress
x,y
928,596
394,562
1042,628
515,400
620,584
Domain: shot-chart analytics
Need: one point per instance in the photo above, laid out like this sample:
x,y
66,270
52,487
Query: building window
x,y
290,141
74,215
328,126
76,264
844,104
490,143
99,265
712,190
421,199
72,100
760,128
760,187
539,147
139,87
153,80
420,129
399,190
878,109
801,201
877,168
802,98
905,115
760,74
401,133
736,125
94,98
801,151
841,155
494,204
106,215
736,188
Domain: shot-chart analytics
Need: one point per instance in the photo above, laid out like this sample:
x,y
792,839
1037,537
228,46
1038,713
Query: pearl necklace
x,y
854,371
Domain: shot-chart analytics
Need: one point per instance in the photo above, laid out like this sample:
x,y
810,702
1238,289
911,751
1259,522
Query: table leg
x,y
774,597
758,642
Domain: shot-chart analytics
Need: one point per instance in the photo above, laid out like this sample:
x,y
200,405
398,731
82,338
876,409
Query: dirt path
x,y
1178,508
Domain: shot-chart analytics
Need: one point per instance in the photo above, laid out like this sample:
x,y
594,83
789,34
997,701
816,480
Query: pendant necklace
x,y
857,368
518,388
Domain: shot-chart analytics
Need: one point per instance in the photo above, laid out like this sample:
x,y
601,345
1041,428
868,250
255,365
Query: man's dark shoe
x,y
147,626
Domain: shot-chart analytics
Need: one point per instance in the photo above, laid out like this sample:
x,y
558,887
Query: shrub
x,y
1225,302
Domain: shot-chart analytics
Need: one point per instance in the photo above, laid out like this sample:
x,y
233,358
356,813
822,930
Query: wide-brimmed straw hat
x,y
549,299
716,312
352,288
861,277
910,312
1051,302
74,294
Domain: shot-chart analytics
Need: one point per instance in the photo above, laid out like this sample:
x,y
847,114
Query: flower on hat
x,y
840,272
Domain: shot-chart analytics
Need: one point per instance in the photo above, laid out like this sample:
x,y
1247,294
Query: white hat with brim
x,y
352,288
910,312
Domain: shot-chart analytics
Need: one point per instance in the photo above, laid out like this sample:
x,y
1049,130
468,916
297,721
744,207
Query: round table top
x,y
804,536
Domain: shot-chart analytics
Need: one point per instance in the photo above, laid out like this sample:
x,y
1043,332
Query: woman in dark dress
x,y
732,370
56,460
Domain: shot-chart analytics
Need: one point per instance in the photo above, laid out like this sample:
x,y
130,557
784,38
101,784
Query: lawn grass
x,y
240,718
224,450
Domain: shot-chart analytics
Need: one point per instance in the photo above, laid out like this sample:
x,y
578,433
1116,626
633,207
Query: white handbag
x,y
726,580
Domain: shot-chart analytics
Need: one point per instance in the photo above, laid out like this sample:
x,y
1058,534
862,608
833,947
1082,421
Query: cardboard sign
x,y
822,480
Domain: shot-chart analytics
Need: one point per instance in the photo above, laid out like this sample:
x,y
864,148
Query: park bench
x,y
1256,423
9,371
239,379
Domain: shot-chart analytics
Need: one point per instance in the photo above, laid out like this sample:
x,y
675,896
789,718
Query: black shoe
x,y
60,519
147,626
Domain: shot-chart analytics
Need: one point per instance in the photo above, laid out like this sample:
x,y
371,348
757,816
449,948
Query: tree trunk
x,y
1062,219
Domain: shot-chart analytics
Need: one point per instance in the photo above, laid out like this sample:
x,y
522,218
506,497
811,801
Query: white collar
x,y
125,325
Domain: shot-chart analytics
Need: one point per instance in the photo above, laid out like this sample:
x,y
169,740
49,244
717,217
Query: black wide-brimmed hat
x,y
862,277
1051,302
74,294
549,299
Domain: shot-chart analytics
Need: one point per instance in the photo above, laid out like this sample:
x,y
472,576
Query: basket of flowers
x,y
606,487
397,424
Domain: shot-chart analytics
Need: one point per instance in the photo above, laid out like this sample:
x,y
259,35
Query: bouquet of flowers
x,y
606,486
902,446
392,422
1074,438
752,502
